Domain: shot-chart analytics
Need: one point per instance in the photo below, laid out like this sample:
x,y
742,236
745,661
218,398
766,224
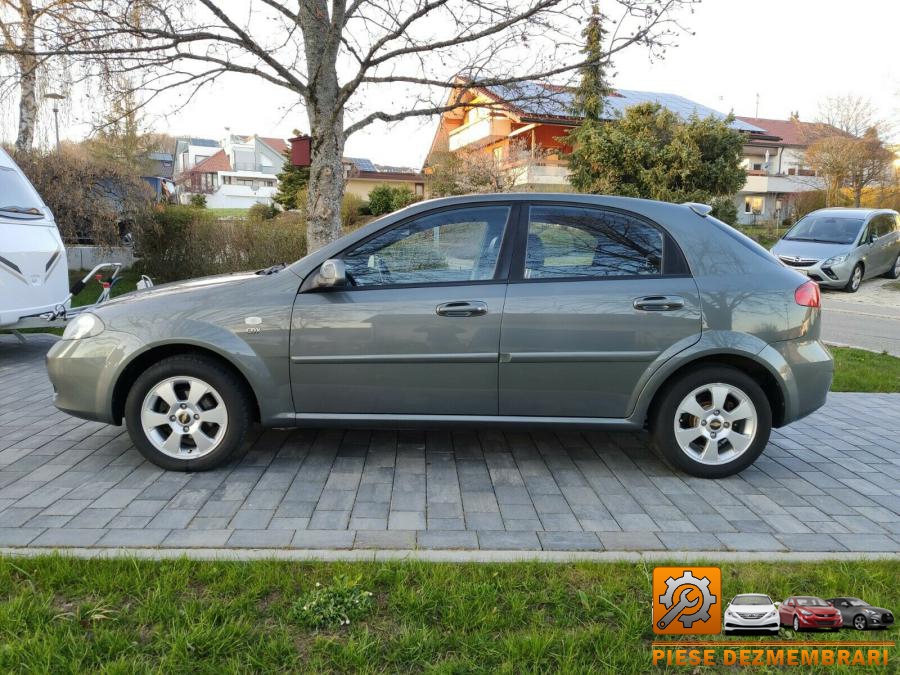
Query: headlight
x,y
771,614
805,612
872,612
836,260
82,326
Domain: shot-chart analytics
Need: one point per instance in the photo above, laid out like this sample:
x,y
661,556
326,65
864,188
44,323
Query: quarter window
x,y
571,242
443,247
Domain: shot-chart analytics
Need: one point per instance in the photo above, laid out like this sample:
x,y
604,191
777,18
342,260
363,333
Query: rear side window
x,y
566,242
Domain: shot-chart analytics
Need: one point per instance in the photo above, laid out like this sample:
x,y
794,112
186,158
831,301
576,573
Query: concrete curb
x,y
382,555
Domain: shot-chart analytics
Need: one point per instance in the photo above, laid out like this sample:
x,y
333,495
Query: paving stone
x,y
744,541
78,537
197,538
252,519
690,541
630,541
385,539
143,537
569,541
329,520
495,540
406,520
323,539
454,539
260,538
810,542
18,536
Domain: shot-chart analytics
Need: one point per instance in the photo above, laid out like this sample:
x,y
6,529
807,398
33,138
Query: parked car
x,y
861,615
751,611
616,313
805,612
839,248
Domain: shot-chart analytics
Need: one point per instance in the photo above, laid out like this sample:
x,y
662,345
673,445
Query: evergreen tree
x,y
292,182
588,100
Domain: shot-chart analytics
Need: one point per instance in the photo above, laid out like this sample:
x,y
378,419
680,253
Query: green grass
x,y
860,370
127,616
764,236
228,213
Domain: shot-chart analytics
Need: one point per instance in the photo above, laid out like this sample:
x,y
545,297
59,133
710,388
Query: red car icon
x,y
805,612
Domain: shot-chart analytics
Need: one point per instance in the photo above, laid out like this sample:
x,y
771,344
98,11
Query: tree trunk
x,y
857,195
27,64
326,179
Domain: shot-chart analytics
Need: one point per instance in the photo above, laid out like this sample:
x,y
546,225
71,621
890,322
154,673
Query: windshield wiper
x,y
818,241
24,210
274,269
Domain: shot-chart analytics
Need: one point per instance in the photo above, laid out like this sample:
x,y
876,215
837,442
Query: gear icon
x,y
689,580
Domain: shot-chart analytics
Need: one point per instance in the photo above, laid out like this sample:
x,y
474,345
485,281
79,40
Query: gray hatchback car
x,y
840,247
513,310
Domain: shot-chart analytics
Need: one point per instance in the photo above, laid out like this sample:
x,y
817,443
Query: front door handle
x,y
659,303
462,308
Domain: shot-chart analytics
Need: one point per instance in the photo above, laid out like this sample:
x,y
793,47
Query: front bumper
x,y
84,372
820,622
733,621
830,276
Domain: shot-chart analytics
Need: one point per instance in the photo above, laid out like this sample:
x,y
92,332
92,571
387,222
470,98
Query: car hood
x,y
820,611
752,609
187,286
874,609
810,249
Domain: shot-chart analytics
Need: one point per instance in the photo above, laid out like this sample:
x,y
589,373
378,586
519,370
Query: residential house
x,y
361,175
238,172
161,164
524,127
776,170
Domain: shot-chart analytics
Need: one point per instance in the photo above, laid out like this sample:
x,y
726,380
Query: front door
x,y
595,296
418,330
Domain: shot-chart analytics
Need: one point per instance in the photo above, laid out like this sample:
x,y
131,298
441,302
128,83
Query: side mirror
x,y
777,604
332,274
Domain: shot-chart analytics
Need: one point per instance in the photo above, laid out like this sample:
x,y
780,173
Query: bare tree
x,y
335,55
458,173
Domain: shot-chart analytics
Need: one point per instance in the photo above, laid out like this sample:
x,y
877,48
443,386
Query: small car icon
x,y
805,612
861,615
751,611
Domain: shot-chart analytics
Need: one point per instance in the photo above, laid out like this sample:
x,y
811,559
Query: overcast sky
x,y
792,53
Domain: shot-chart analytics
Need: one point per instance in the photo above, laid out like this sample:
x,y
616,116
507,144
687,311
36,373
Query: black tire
x,y
234,395
894,272
854,282
662,421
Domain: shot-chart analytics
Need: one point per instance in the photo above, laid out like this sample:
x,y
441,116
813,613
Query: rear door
x,y
418,332
595,295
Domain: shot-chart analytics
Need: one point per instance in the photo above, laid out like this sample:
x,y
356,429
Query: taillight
x,y
808,295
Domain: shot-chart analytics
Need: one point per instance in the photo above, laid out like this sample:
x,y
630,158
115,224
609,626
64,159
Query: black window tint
x,y
566,242
443,247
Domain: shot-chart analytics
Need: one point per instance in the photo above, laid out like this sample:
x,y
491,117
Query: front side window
x,y
444,247
571,242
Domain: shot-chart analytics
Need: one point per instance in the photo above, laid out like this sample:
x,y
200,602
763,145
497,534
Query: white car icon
x,y
751,611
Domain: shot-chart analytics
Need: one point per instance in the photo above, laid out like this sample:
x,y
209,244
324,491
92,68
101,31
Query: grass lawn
x,y
764,236
228,213
860,370
127,616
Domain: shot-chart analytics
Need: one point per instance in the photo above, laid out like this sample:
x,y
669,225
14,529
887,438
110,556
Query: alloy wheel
x,y
715,423
859,622
796,624
184,417
856,280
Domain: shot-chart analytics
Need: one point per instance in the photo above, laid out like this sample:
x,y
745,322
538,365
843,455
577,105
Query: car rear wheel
x,y
188,413
894,272
859,622
856,277
712,423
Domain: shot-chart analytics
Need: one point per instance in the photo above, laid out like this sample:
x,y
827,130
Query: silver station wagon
x,y
513,310
840,247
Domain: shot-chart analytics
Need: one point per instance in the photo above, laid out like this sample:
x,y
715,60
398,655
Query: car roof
x,y
847,212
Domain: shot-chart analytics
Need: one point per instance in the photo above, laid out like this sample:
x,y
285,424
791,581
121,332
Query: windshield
x,y
751,600
17,199
825,229
811,602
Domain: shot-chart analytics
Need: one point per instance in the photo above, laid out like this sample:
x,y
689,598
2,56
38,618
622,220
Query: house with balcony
x,y
237,172
523,126
776,169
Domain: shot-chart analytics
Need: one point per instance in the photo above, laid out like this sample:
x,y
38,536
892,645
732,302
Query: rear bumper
x,y
806,370
84,372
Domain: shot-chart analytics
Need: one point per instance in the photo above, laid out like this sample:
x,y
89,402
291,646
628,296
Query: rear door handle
x,y
462,308
659,303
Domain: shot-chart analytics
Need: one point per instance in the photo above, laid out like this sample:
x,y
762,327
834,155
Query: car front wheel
x,y
859,622
894,272
188,413
856,277
712,423
796,624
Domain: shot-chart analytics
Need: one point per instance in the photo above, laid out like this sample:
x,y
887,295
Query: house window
x,y
420,189
753,205
757,167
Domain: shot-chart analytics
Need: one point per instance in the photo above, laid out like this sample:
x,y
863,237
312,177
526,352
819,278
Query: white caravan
x,y
34,277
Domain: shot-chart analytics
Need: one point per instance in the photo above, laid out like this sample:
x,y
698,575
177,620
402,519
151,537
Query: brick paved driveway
x,y
829,483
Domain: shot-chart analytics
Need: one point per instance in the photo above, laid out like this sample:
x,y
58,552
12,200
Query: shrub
x,y
184,242
333,606
352,212
260,211
385,199
197,201
94,201
725,210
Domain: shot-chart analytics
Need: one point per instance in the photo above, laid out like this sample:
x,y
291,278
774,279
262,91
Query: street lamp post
x,y
55,98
